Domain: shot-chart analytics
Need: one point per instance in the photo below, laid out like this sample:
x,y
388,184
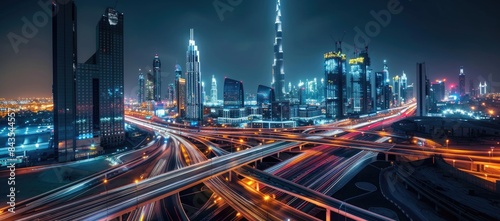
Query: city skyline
x,y
302,60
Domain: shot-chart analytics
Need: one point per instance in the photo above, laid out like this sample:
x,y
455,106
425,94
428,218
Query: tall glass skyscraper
x,y
213,91
140,91
360,84
110,60
402,90
335,84
157,76
461,82
94,102
64,74
234,96
194,105
180,92
422,90
278,82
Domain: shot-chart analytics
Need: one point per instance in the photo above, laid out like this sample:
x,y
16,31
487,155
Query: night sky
x,y
446,34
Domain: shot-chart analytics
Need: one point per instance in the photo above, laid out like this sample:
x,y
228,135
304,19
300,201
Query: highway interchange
x,y
174,163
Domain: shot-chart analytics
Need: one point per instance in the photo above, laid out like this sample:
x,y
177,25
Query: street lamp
x,y
447,142
136,196
453,163
489,154
105,181
266,199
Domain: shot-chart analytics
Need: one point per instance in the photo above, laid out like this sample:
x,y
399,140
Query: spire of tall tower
x,y
278,80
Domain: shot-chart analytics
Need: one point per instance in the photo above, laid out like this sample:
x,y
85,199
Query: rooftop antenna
x,y
338,43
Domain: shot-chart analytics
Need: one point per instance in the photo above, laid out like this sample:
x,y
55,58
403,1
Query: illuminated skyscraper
x,y
438,90
380,89
100,87
180,92
396,86
234,96
422,90
360,83
402,90
194,105
213,90
157,76
64,61
149,87
473,89
140,91
482,88
170,94
386,70
204,93
278,82
461,82
335,84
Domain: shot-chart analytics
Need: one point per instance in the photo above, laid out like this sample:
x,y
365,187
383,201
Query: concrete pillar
x,y
261,159
230,176
257,186
300,147
278,154
328,214
386,157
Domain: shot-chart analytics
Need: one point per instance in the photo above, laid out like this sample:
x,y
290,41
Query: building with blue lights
x,y
335,84
157,77
63,87
360,79
194,102
234,96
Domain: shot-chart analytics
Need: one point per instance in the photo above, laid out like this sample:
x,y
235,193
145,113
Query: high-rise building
x,y
180,92
234,96
149,88
265,95
410,92
402,90
482,88
204,97
141,90
422,90
461,82
109,57
335,84
360,83
472,89
170,94
396,86
386,70
213,90
64,52
99,83
438,89
157,77
278,82
265,98
194,105
380,90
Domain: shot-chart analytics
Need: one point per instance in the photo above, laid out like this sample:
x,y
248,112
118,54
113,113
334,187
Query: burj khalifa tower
x,y
278,82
